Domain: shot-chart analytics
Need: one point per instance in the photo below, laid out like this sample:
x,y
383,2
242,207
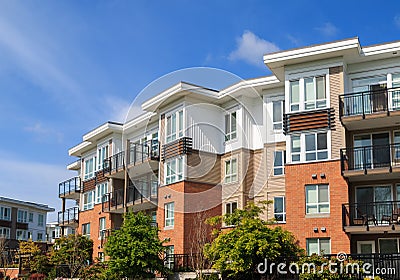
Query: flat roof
x,y
39,206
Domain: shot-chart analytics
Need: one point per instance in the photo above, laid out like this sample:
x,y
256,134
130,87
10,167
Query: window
x,y
277,114
88,200
39,236
21,234
279,162
169,214
101,189
388,245
294,96
174,170
5,213
174,126
318,246
30,236
89,167
295,148
102,154
279,209
169,256
230,126
231,170
316,146
230,207
22,216
5,232
314,93
100,256
396,93
40,220
31,217
102,227
86,230
317,199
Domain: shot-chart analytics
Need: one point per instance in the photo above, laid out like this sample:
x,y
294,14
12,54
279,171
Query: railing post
x,y
365,160
362,102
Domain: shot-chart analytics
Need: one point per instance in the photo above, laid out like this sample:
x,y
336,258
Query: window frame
x,y
5,232
319,245
30,217
101,190
315,89
89,173
174,125
22,232
2,213
232,177
301,155
86,230
169,215
102,154
278,167
171,175
22,216
230,123
283,213
89,204
318,203
41,220
102,227
279,122
316,151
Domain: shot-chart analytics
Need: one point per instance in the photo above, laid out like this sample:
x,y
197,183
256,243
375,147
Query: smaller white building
x,y
53,231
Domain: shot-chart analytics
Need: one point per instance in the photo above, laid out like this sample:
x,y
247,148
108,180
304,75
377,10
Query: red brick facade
x,y
302,225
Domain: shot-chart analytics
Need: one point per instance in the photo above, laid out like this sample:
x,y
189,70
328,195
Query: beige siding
x,y
336,84
204,167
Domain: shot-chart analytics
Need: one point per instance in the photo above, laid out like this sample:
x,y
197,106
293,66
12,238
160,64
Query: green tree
x,y
75,251
135,250
238,252
33,258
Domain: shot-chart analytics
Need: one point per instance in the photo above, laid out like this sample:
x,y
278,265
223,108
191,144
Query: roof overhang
x,y
102,131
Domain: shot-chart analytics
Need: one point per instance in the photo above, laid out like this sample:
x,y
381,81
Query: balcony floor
x,y
374,174
371,121
372,229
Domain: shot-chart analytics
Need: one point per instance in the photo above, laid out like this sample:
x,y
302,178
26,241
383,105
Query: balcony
x,y
142,195
114,166
76,165
374,217
70,188
181,146
370,109
113,202
378,162
143,158
69,217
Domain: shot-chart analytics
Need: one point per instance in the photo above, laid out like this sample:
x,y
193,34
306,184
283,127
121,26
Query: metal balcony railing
x,y
113,200
149,150
374,213
370,157
369,102
114,163
69,216
142,189
69,186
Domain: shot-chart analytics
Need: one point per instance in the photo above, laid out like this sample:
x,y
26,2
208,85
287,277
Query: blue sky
x,y
68,66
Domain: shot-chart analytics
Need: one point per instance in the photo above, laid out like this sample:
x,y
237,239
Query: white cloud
x,y
328,29
43,133
397,21
119,109
32,181
251,48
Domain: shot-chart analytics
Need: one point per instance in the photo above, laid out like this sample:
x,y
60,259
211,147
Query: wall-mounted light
x,y
315,229
323,175
323,229
166,196
314,176
169,196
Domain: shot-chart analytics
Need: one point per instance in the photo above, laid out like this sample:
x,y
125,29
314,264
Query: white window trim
x,y
280,213
282,103
318,203
89,205
177,133
303,146
232,174
101,230
99,195
319,244
171,219
43,221
6,218
24,234
30,214
99,165
231,133
300,77
175,174
84,226
24,216
7,231
89,175
225,213
279,166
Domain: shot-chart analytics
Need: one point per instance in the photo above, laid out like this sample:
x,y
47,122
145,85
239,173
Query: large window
x,y
102,154
5,232
316,146
173,170
279,209
101,189
277,114
279,162
317,199
22,216
318,246
102,227
174,124
314,93
230,126
39,236
309,147
86,230
5,213
294,96
88,200
169,214
230,207
31,217
40,220
231,170
90,167
21,234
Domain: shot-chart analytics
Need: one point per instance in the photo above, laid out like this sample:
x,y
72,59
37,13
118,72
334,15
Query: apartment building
x,y
53,231
22,220
318,138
